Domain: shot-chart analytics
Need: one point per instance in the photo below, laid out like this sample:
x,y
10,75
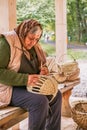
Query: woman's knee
x,y
40,100
57,100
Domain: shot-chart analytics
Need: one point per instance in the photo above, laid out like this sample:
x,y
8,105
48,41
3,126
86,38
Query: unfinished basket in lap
x,y
47,85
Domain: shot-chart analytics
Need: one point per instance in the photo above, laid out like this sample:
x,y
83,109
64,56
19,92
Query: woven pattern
x,y
69,67
78,104
52,64
60,77
70,70
79,114
47,85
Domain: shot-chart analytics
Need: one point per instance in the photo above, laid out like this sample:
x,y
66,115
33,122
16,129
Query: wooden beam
x,y
12,14
61,29
8,15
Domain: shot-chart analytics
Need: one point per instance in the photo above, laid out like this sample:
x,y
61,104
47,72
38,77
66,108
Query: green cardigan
x,y
9,77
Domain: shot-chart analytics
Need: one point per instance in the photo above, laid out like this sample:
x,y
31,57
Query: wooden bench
x,y
10,116
66,92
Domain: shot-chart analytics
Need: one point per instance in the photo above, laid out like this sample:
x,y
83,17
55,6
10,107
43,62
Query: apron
x,y
29,66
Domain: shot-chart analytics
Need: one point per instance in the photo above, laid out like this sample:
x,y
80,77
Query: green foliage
x,y
41,10
48,48
77,54
77,20
44,12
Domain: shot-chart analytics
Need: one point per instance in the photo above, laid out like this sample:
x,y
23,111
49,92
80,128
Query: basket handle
x,y
65,54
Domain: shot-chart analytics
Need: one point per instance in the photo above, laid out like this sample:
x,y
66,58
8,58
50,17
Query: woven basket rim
x,y
79,112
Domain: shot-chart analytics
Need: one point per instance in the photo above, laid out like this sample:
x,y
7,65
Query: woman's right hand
x,y
32,79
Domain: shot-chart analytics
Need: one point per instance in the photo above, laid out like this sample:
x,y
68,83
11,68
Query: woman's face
x,y
30,40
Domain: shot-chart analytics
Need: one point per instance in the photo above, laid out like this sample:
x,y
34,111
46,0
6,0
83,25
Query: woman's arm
x,y
9,77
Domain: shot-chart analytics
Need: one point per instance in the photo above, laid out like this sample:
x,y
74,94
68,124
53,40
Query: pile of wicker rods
x,y
79,115
69,69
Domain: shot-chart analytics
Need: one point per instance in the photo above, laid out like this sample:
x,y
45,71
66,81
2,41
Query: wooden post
x,y
61,29
66,109
8,15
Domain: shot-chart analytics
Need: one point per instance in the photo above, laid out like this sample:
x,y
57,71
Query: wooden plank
x,y
7,110
11,112
10,116
69,85
9,123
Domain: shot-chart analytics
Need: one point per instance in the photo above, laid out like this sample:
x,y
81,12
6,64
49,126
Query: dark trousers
x,y
42,115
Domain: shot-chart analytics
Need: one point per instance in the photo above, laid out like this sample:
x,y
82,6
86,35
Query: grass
x,y
49,49
77,54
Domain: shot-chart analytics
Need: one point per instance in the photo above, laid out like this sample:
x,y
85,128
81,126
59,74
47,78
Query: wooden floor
x,y
66,124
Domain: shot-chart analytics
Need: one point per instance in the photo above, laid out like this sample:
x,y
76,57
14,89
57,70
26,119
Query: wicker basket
x,y
47,85
70,69
79,115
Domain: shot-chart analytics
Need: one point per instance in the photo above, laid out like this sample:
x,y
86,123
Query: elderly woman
x,y
20,65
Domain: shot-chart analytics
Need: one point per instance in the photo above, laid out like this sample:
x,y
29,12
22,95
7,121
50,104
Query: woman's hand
x,y
44,70
32,79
